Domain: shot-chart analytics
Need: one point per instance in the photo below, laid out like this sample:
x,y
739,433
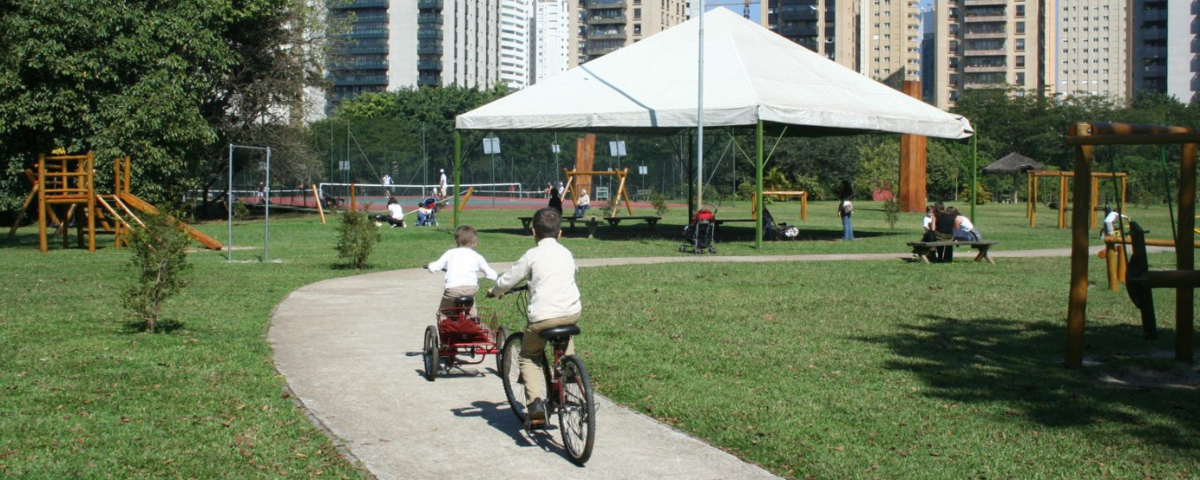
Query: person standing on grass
x,y
554,302
555,199
462,265
442,182
845,210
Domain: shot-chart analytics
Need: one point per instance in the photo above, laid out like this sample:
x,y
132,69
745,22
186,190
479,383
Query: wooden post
x,y
1062,200
353,206
1110,262
1185,257
1034,180
912,162
1077,304
41,196
1094,201
804,206
318,197
585,160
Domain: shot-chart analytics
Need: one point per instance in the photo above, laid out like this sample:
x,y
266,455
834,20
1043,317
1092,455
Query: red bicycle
x,y
569,387
462,335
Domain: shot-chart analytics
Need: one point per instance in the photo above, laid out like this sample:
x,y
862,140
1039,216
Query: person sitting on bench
x,y
582,203
943,230
964,230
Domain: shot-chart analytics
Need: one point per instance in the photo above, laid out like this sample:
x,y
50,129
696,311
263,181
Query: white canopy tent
x,y
753,76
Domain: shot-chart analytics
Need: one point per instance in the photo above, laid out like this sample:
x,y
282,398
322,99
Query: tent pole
x,y
758,185
974,171
457,172
691,191
700,116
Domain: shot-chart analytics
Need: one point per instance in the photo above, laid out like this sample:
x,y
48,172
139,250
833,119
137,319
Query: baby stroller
x,y
427,219
777,231
699,234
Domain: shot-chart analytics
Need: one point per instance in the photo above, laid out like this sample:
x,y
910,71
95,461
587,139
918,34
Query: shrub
x,y
891,212
660,203
159,259
358,236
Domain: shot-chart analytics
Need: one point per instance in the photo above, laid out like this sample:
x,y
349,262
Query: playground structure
x,y
621,194
1063,176
803,202
70,180
1140,282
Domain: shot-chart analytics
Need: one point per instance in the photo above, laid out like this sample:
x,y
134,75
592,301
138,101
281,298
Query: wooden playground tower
x,y
70,180
1184,279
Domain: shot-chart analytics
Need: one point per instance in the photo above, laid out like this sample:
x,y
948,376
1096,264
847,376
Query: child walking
x,y
463,266
554,302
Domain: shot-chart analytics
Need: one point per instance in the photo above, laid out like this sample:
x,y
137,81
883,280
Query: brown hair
x,y
465,236
547,223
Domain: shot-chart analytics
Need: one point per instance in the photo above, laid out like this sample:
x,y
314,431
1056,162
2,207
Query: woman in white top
x,y
964,230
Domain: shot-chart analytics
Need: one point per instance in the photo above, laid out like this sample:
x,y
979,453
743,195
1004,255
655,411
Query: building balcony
x,y
360,65
1154,71
429,49
1153,16
429,4
975,84
370,18
969,52
369,33
598,51
429,80
357,4
971,35
429,34
987,17
797,30
1152,34
358,80
362,50
429,65
607,36
985,69
606,20
599,4
803,13
979,3
430,19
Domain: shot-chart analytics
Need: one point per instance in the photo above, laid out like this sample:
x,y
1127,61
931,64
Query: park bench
x,y
721,221
923,249
642,194
570,220
650,220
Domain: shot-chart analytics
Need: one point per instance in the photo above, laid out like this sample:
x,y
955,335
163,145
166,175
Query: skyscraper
x,y
551,45
1091,55
394,44
516,33
829,27
1163,57
989,44
600,27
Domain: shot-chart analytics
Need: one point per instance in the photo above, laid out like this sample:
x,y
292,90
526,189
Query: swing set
x,y
1140,280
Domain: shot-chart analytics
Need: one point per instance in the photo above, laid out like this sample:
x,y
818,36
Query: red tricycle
x,y
463,335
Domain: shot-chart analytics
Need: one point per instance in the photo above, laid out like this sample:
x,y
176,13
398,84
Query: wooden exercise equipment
x,y
1140,281
803,201
621,192
70,180
1031,200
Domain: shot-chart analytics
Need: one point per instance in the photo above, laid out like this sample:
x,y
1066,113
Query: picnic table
x,y
650,220
923,249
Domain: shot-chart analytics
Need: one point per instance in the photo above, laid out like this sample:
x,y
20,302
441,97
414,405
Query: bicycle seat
x,y
464,302
559,332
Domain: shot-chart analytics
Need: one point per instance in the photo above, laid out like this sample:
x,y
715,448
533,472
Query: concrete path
x,y
350,349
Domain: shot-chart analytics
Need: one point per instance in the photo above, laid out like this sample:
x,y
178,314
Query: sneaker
x,y
536,417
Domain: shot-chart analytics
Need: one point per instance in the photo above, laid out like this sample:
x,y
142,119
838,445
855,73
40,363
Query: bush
x,y
660,203
891,212
358,236
159,259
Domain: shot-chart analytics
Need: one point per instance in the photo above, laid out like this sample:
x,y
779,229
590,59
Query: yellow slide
x,y
135,202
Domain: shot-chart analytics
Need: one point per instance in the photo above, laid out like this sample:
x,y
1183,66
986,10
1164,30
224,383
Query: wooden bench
x,y
719,221
650,220
642,194
923,249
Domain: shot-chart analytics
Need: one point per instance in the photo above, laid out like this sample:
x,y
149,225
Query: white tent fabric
x,y
751,73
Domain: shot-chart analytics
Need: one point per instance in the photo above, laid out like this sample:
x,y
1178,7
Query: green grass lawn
x,y
879,369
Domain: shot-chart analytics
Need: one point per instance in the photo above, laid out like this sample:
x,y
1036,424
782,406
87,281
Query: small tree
x,y
159,259
358,236
660,203
891,211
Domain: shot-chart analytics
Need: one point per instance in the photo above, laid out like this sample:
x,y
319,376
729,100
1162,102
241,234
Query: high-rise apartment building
x,y
551,42
928,39
516,33
1092,52
829,27
1164,57
599,27
893,40
395,44
989,44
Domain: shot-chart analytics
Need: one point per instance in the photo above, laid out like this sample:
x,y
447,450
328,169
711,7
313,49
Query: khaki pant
x,y
533,355
452,293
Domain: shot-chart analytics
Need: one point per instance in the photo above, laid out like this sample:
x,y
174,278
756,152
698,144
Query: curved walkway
x,y
350,349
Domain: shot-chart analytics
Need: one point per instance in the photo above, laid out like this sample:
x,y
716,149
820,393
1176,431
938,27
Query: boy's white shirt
x,y
463,266
552,289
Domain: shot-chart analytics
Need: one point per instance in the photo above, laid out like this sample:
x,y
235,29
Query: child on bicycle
x,y
462,265
554,302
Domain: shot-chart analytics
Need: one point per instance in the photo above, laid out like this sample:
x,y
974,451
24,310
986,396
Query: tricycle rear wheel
x,y
430,353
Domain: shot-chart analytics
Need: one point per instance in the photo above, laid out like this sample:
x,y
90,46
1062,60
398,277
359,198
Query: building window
x,y
1020,45
1020,28
1020,61
1020,11
637,29
637,14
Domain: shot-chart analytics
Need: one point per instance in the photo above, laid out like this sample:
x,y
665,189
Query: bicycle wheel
x,y
501,337
510,372
430,353
577,414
